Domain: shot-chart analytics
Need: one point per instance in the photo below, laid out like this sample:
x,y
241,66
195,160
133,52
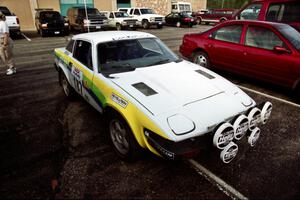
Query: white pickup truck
x,y
11,20
120,20
146,17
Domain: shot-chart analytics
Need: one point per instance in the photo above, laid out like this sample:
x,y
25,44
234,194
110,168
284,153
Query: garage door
x,y
66,4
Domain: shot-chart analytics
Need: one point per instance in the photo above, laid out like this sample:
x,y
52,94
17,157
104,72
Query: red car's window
x,y
284,12
250,12
231,33
262,38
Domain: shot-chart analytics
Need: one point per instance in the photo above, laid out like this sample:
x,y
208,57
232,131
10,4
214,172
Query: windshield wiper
x,y
117,69
163,61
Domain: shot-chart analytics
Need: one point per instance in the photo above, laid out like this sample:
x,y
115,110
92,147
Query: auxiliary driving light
x,y
266,112
229,152
240,126
254,117
223,135
252,139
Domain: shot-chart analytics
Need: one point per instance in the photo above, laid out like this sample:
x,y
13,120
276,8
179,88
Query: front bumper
x,y
176,150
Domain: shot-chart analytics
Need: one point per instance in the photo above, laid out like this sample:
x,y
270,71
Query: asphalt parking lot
x,y
51,147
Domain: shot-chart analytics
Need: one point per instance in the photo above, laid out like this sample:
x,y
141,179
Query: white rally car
x,y
155,100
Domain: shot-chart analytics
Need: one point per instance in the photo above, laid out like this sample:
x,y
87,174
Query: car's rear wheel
x,y
201,58
67,88
178,24
122,139
296,93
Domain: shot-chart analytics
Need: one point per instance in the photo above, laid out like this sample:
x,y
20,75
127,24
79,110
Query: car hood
x,y
152,15
167,87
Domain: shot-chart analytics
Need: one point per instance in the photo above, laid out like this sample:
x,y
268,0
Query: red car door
x,y
224,47
261,61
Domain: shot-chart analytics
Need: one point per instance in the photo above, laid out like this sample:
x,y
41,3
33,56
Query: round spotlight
x,y
229,152
223,135
266,112
252,139
254,117
240,126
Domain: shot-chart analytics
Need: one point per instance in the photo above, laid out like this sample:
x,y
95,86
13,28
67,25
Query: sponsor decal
x,y
241,125
254,117
119,100
76,73
266,112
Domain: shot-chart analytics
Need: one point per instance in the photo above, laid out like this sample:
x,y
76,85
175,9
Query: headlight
x,y
105,21
223,135
180,124
240,126
86,21
254,117
266,111
44,25
66,24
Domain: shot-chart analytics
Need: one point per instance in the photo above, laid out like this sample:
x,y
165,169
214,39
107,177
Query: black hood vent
x,y
207,75
145,89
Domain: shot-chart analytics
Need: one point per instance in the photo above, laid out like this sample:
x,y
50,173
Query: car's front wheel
x,y
118,27
145,24
201,58
122,139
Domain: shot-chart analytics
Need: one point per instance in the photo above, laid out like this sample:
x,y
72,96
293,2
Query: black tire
x,y
118,27
67,88
296,93
145,24
122,138
201,58
42,33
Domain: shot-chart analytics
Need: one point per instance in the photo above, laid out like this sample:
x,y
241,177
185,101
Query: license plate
x,y
56,32
98,27
130,25
159,23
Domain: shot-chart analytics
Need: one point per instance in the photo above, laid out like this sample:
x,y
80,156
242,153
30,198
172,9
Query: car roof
x,y
105,36
251,22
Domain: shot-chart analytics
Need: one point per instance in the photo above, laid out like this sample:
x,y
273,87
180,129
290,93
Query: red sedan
x,y
263,50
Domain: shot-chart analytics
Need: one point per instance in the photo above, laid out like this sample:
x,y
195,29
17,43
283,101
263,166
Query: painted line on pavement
x,y
27,38
222,185
269,96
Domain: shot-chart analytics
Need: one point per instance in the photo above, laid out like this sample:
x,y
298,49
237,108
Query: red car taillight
x,y
187,19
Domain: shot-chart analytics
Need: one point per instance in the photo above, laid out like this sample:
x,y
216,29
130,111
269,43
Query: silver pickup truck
x,y
11,20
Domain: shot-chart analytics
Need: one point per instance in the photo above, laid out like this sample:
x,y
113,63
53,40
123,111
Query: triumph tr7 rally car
x,y
155,100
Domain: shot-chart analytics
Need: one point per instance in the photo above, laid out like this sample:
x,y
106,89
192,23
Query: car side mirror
x,y
281,50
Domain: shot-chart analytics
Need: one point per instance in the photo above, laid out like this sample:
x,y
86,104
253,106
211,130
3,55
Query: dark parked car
x,y
267,51
50,22
180,19
80,22
213,16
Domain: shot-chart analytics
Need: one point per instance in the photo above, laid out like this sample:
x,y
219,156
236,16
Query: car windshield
x,y
290,34
121,14
5,11
90,11
147,11
126,55
51,15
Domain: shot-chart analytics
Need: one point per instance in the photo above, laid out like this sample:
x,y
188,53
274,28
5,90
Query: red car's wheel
x,y
201,58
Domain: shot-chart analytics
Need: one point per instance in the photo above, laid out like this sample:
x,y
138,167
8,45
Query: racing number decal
x,y
77,78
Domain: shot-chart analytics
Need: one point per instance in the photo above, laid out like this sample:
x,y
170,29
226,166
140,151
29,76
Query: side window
x,y
231,33
273,11
136,12
70,45
83,53
250,12
262,38
111,15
